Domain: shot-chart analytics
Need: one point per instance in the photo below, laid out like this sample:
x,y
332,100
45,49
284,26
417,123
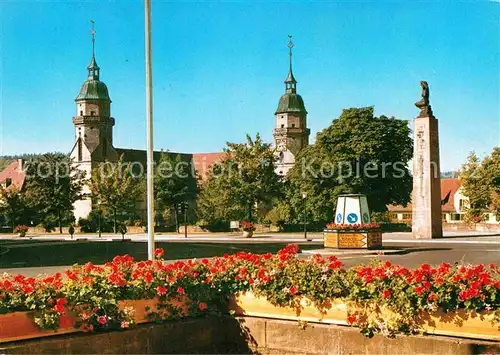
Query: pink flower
x,y
102,320
124,324
387,293
202,306
180,291
293,290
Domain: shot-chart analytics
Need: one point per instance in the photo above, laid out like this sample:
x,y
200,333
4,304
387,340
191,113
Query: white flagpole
x,y
149,131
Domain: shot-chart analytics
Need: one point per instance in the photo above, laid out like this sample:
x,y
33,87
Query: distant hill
x,y
449,174
5,160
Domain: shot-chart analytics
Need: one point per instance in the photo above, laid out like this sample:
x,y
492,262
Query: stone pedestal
x,y
426,196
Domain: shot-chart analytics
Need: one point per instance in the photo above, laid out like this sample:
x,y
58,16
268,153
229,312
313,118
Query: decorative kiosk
x,y
352,228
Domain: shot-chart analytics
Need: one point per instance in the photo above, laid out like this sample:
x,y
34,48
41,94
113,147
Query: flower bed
x,y
378,298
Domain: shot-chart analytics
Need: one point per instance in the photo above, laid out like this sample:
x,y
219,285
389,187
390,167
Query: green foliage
x,y
114,189
13,206
175,183
94,220
479,183
241,182
52,186
357,153
381,217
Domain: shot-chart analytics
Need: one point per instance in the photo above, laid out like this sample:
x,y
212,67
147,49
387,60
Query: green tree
x,y
491,166
357,153
53,184
114,188
476,186
480,182
244,179
175,184
13,206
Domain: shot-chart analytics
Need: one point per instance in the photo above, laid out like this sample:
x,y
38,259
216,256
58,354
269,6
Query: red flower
x,y
159,253
180,291
387,293
351,319
59,307
293,290
202,306
102,320
161,290
419,290
432,297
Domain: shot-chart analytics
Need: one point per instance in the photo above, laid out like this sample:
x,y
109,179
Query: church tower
x,y
291,133
93,129
93,121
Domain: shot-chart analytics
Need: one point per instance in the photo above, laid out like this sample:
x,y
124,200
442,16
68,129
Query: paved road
x,y
455,247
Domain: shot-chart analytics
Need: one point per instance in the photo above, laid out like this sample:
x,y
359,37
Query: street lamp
x,y
304,196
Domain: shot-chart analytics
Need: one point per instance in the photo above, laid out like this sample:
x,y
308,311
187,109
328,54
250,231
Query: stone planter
x,y
20,325
457,324
352,239
247,234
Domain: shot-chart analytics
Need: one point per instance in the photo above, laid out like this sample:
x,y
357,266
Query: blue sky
x,y
219,68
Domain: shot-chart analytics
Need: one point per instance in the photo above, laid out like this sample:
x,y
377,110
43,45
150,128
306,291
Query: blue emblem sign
x,y
366,218
352,218
339,217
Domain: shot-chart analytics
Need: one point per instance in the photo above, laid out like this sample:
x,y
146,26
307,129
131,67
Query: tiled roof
x,y
14,173
448,185
203,161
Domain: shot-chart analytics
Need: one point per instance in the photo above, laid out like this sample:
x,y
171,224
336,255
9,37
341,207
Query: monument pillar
x,y
426,196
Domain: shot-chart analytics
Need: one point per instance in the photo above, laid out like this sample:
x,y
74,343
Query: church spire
x,y
93,68
290,82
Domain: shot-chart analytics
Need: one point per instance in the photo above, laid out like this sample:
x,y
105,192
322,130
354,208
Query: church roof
x,y
291,103
93,90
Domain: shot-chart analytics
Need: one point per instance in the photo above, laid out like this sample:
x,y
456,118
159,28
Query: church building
x,y
94,131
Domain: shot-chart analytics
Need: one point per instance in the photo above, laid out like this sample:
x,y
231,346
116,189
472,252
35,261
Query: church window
x,y
293,125
81,113
92,113
282,126
80,153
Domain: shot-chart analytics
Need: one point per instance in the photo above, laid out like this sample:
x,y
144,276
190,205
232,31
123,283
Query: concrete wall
x,y
245,335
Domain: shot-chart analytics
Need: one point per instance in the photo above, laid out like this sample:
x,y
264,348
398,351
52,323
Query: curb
x,y
339,252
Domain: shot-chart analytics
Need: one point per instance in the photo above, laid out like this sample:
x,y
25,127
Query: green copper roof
x,y
93,90
290,78
291,103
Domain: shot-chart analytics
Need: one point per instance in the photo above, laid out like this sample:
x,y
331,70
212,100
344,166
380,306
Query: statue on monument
x,y
423,105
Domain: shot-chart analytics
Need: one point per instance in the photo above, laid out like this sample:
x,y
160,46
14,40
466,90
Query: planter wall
x,y
458,324
343,239
20,325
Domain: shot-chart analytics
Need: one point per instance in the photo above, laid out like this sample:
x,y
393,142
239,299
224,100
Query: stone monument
x,y
426,196
351,228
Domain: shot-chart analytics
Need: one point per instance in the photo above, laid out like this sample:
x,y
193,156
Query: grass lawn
x,y
68,253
